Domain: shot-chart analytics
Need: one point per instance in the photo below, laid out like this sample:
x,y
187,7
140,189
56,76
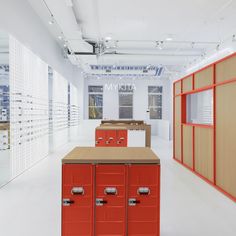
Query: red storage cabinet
x,y
122,138
111,191
77,203
111,138
100,138
110,200
144,200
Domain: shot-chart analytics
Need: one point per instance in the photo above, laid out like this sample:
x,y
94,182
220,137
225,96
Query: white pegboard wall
x,y
74,117
28,107
59,110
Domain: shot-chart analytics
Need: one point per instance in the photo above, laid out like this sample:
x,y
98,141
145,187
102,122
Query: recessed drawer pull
x,y
100,202
67,202
133,202
143,191
110,191
122,138
100,138
77,191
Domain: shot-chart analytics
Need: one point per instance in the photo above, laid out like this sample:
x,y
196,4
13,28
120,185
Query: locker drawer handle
x,y
107,142
77,191
111,138
122,138
143,191
110,191
100,138
133,202
100,202
67,202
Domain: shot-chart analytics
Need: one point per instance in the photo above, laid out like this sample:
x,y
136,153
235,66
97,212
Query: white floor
x,y
30,205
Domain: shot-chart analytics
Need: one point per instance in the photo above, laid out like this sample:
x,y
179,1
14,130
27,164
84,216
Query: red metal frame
x,y
183,122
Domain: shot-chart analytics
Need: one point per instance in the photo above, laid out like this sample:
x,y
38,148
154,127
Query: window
x,y
200,108
95,102
125,102
155,102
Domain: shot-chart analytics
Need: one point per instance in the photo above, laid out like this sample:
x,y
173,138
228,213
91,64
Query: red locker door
x,y
111,138
144,200
110,216
122,138
77,200
100,138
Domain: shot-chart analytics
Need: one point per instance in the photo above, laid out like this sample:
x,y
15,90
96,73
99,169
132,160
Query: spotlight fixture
x,y
218,47
60,37
169,39
108,38
51,22
234,38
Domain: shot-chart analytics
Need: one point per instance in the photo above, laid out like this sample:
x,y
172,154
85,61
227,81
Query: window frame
x,y
131,92
95,93
156,107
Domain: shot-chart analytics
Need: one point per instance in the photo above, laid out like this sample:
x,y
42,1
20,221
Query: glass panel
x,y
200,107
5,168
95,89
95,112
96,100
155,100
154,89
156,113
126,112
126,99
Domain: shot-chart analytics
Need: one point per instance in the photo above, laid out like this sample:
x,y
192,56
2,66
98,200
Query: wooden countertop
x,y
111,127
115,155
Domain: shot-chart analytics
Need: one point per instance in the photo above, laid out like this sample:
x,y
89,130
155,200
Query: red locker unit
x,y
143,195
111,191
77,204
111,138
110,200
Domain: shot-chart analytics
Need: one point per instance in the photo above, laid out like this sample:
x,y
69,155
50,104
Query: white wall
x,y
19,19
140,101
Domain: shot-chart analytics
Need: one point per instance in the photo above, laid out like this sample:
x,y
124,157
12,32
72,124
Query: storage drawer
x,y
122,138
77,202
100,138
143,200
110,217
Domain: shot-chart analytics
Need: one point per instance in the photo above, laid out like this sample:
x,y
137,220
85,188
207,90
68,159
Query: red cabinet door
x,y
77,200
122,138
100,138
110,216
144,200
111,138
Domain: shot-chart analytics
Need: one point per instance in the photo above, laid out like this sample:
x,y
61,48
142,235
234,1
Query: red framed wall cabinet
x,y
208,150
118,194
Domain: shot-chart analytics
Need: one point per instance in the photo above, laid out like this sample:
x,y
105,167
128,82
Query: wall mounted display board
x,y
204,124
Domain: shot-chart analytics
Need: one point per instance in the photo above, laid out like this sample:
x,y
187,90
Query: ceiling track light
x,y
218,47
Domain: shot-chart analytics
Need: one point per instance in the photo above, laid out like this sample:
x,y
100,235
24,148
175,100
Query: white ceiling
x,y
134,26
